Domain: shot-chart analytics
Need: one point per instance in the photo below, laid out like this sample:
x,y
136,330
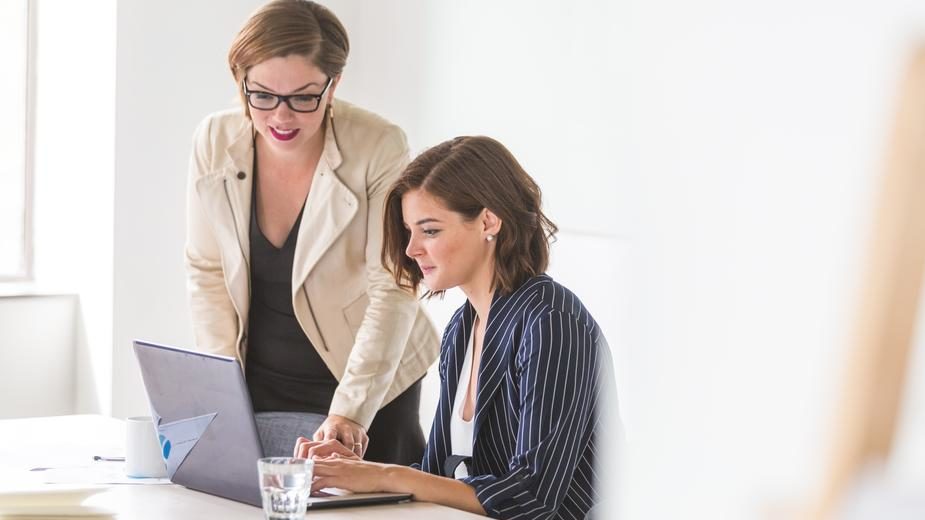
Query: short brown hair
x,y
468,174
284,27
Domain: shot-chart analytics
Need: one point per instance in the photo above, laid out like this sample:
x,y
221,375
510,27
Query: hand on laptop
x,y
358,476
349,433
307,449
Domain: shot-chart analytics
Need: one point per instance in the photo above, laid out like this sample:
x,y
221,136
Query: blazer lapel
x,y
226,198
496,350
455,359
453,352
330,207
240,159
457,354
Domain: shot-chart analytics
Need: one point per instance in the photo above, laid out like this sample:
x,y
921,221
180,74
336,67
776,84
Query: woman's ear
x,y
491,223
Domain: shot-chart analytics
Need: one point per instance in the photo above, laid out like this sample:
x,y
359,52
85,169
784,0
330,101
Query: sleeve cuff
x,y
362,414
494,491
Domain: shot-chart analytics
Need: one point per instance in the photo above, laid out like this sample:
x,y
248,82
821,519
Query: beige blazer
x,y
375,338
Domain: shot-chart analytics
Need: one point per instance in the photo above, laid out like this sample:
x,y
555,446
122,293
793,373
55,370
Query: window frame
x,y
27,252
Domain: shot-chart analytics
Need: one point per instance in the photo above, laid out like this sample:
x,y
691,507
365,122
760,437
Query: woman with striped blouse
x,y
523,365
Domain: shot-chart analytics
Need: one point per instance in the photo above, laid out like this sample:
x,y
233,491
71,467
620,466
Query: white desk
x,y
74,439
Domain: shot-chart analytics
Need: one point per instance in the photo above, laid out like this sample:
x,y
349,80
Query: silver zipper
x,y
237,236
324,344
237,233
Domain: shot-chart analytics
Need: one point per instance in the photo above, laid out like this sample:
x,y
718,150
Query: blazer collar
x,y
460,344
224,192
226,183
496,353
239,154
331,152
330,207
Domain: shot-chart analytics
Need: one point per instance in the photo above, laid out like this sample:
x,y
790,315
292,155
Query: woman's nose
x,y
283,112
412,250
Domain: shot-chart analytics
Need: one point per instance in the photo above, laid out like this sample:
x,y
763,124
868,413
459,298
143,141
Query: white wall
x,y
41,360
536,75
75,114
756,143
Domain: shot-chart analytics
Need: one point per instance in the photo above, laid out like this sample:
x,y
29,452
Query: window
x,y
16,94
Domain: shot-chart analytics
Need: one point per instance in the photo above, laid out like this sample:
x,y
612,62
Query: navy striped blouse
x,y
544,368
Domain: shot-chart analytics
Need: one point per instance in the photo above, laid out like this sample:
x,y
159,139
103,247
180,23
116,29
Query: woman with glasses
x,y
525,372
284,234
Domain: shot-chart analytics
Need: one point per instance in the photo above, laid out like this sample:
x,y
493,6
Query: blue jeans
x,y
279,430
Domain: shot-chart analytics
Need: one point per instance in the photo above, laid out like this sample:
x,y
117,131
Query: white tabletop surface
x,y
73,440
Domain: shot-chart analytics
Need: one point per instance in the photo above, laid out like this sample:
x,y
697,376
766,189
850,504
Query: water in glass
x,y
285,485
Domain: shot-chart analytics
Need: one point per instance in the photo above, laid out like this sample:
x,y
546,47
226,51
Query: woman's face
x,y
284,129
449,250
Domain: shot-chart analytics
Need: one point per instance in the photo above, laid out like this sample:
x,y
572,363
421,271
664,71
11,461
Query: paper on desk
x,y
26,494
94,473
177,438
43,512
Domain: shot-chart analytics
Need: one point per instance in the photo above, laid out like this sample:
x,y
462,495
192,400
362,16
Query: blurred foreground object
x,y
870,400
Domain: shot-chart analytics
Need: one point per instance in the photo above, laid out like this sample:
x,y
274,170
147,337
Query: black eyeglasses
x,y
297,102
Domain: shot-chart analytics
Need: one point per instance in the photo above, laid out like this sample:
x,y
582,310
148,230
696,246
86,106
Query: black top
x,y
284,371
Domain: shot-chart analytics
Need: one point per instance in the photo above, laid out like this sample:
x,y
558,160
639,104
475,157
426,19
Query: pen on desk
x,y
108,459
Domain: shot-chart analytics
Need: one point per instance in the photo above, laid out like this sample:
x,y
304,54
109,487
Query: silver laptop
x,y
206,426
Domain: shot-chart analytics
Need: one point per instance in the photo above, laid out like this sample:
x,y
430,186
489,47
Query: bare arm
x,y
432,488
362,476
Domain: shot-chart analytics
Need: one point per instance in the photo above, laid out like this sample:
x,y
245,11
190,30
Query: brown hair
x,y
284,27
469,174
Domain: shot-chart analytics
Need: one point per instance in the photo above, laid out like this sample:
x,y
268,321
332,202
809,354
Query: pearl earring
x,y
489,237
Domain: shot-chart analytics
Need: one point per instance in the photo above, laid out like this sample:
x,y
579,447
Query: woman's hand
x,y
355,475
361,476
349,433
309,449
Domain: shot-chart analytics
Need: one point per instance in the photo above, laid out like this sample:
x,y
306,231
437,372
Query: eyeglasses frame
x,y
281,98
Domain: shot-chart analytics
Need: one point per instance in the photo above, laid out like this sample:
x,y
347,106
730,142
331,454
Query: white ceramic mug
x,y
142,450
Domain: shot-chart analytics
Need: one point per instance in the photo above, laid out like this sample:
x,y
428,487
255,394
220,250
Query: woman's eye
x,y
263,97
430,232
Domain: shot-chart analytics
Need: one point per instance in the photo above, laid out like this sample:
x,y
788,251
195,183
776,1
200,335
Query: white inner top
x,y
461,430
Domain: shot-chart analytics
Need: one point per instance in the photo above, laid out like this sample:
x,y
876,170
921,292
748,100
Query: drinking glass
x,y
285,484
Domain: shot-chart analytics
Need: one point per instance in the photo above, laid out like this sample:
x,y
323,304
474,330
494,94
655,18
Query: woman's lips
x,y
427,270
283,135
